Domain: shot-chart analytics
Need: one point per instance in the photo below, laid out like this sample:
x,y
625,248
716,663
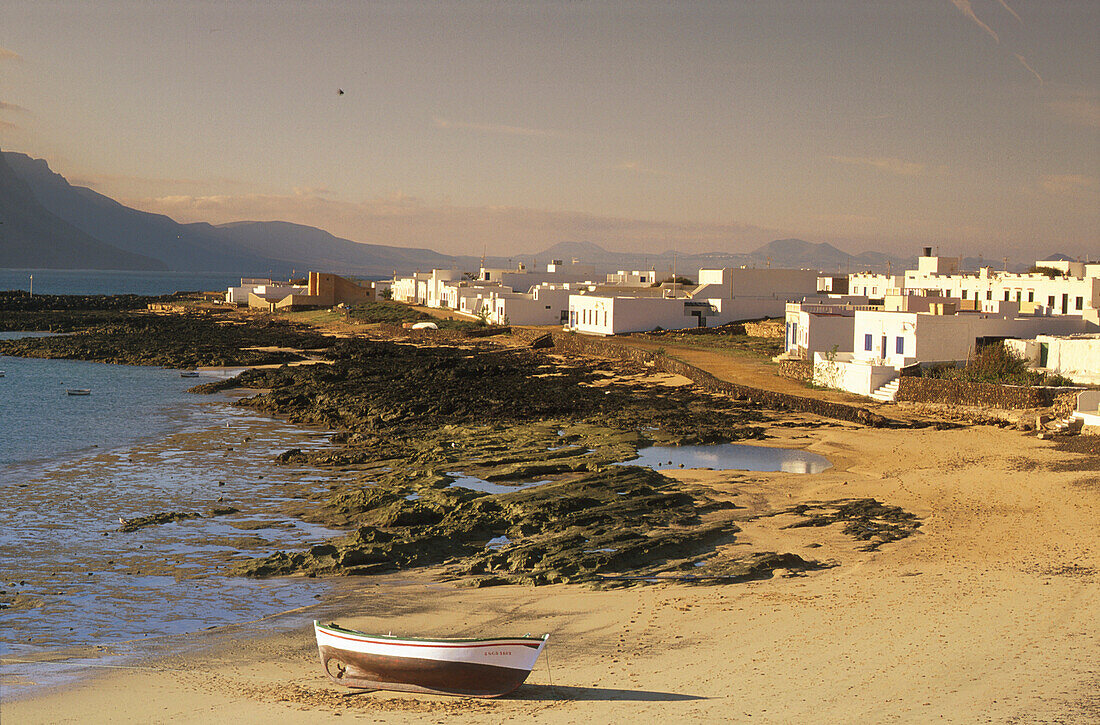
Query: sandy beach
x,y
987,615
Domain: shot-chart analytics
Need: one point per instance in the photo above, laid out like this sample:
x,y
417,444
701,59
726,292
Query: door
x,y
883,347
1044,351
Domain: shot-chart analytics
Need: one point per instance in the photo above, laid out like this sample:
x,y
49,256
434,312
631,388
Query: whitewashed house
x,y
1076,357
883,342
722,296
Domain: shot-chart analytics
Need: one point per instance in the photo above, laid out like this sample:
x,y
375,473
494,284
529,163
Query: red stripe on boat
x,y
402,643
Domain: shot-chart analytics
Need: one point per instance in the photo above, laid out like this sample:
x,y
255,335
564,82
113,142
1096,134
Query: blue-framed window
x,y
899,346
867,342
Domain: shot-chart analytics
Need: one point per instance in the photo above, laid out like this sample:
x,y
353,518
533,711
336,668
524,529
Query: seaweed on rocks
x,y
865,519
174,341
614,520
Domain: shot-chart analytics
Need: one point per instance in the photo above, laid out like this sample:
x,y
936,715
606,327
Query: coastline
x,y
983,611
987,615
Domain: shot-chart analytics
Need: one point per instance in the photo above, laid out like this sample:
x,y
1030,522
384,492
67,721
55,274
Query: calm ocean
x,y
95,282
77,592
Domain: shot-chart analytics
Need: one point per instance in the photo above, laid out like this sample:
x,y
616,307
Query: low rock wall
x,y
957,392
796,370
574,344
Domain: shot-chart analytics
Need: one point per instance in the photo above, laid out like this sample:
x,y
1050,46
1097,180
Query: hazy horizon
x,y
505,128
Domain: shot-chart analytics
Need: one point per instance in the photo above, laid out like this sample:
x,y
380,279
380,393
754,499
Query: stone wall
x,y
957,392
796,370
574,344
765,328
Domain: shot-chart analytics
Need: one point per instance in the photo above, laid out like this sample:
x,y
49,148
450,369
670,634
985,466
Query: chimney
x,y
928,251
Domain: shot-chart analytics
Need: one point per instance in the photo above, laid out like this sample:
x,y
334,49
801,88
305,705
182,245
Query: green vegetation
x,y
392,313
995,364
677,280
1048,271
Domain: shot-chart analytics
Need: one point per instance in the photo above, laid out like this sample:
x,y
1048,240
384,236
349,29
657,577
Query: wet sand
x,y
988,614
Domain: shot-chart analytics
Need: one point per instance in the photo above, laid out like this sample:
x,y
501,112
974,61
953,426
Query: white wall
x,y
842,372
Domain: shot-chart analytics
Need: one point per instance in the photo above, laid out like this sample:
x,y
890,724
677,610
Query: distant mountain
x,y
181,248
32,237
50,223
790,253
118,237
304,247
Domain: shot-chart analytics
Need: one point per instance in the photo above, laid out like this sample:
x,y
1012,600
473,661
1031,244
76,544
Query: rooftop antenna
x,y
1006,263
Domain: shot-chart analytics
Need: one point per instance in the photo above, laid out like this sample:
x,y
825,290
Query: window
x,y
1050,302
867,342
989,294
1080,303
605,318
1031,295
899,346
965,293
1006,295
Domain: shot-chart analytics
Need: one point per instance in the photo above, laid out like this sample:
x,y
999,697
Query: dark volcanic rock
x,y
173,341
864,519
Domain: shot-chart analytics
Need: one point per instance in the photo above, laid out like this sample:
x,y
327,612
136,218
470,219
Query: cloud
x,y
887,164
6,54
1026,65
401,220
12,107
1069,184
495,128
1078,109
964,8
1014,13
130,181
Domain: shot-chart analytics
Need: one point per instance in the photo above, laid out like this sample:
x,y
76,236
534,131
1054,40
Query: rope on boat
x,y
549,677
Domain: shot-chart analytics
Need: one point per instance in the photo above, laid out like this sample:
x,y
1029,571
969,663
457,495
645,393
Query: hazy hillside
x,y
305,247
32,237
50,223
177,246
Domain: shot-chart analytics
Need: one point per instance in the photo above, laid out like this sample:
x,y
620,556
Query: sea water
x,y
98,282
71,466
730,456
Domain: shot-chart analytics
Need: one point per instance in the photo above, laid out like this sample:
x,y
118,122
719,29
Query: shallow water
x,y
80,585
479,484
730,456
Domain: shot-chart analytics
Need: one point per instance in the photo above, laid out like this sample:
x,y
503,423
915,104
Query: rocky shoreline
x,y
418,422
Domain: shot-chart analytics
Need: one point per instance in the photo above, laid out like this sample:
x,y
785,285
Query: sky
x,y
506,127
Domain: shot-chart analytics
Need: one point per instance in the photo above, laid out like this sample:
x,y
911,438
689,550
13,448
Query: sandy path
x,y
743,369
988,615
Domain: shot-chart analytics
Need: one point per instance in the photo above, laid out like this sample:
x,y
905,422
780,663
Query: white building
x,y
1075,290
1076,357
263,288
821,325
722,296
883,342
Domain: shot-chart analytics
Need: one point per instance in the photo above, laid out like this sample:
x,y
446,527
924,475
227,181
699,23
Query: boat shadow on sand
x,y
569,692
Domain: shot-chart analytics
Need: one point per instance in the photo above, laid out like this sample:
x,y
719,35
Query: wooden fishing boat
x,y
78,391
188,374
469,667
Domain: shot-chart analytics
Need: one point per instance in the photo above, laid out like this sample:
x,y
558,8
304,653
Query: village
x,y
863,333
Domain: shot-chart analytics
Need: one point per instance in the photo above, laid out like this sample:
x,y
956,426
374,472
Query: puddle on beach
x,y
79,587
730,456
478,484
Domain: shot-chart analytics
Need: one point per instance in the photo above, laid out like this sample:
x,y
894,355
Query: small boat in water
x,y
78,391
469,667
188,374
